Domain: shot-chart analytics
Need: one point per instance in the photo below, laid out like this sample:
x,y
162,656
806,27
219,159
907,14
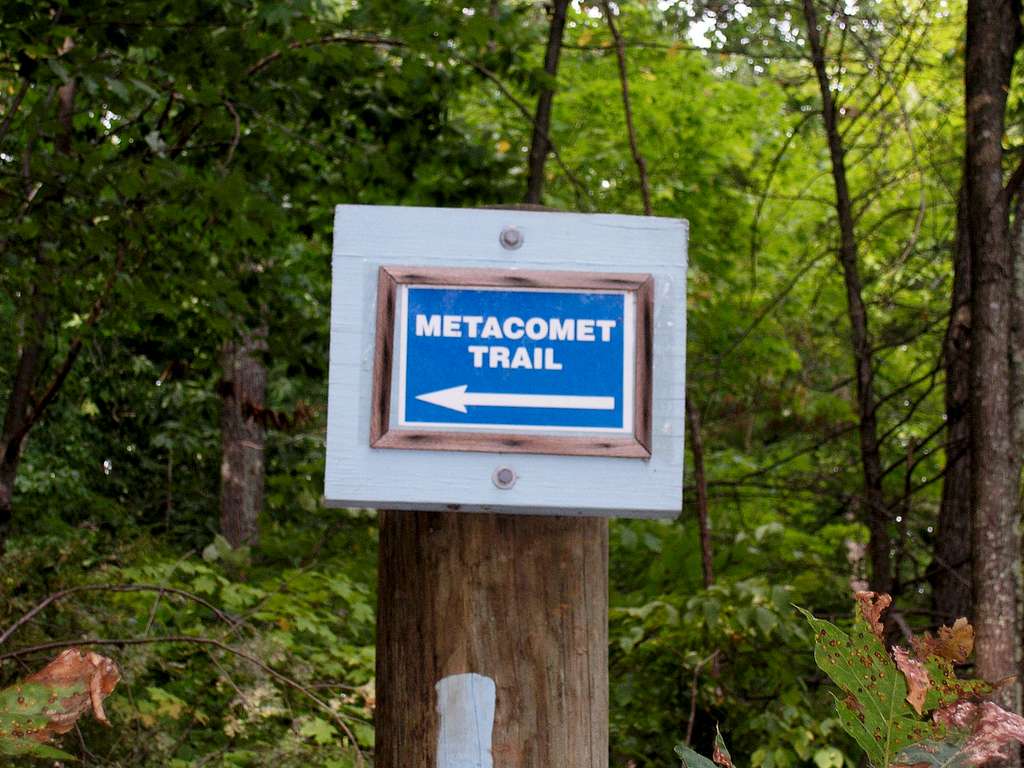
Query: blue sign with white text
x,y
516,359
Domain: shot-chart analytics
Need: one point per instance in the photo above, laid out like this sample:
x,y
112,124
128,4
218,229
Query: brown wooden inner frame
x,y
637,445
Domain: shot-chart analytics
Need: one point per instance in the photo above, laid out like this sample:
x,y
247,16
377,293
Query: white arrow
x,y
457,398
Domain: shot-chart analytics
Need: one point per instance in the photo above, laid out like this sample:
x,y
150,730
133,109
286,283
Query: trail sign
x,y
516,359
558,363
492,360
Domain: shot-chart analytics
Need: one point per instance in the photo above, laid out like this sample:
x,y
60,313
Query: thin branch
x,y
680,46
486,73
693,693
924,455
238,132
770,306
755,235
13,108
697,448
54,597
620,55
1013,186
907,385
910,411
195,640
389,42
842,431
152,613
40,404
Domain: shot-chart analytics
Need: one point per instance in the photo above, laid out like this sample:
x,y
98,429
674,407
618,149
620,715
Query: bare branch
x,y
580,189
13,108
41,403
196,640
238,132
159,589
620,55
387,42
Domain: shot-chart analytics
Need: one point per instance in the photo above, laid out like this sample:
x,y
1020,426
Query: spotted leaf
x,y
874,708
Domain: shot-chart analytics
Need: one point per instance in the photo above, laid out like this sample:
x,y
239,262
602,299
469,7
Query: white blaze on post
x,y
465,708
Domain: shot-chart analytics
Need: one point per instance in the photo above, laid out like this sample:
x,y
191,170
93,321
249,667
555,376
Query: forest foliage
x,y
168,171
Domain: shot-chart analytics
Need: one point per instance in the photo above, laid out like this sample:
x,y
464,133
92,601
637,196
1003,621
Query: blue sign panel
x,y
526,359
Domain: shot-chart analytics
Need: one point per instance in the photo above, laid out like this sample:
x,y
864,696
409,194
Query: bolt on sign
x,y
507,361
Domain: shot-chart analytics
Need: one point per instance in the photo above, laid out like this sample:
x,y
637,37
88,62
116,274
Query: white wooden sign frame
x,y
367,238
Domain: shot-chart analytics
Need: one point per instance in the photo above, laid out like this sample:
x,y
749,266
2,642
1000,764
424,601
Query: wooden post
x,y
492,618
521,600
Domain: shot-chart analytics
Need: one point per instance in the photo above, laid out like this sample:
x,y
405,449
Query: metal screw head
x,y
504,478
510,238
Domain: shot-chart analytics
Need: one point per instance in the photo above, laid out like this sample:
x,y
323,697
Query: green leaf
x,y
364,734
319,730
23,710
205,584
721,756
211,553
59,69
933,754
946,687
9,746
691,759
828,757
119,88
874,711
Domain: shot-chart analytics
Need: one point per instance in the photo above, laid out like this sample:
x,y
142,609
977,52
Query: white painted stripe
x,y
457,399
578,402
465,708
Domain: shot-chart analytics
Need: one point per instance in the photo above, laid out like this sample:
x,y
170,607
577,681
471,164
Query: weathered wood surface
x,y
243,393
358,475
522,600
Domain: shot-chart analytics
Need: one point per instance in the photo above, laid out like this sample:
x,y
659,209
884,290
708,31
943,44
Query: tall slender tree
x,y
993,37
875,511
950,573
540,144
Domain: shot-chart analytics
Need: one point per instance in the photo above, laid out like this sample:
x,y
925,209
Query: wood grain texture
x,y
522,600
369,237
644,380
384,354
511,442
383,435
519,278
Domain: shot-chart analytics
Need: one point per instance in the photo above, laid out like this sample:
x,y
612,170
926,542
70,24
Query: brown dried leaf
x,y
721,754
953,643
918,681
93,675
872,606
995,733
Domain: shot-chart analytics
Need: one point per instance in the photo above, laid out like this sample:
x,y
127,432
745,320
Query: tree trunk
x,y
518,600
950,573
1017,330
540,145
8,474
242,438
1017,377
22,412
875,512
17,419
993,32
701,483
